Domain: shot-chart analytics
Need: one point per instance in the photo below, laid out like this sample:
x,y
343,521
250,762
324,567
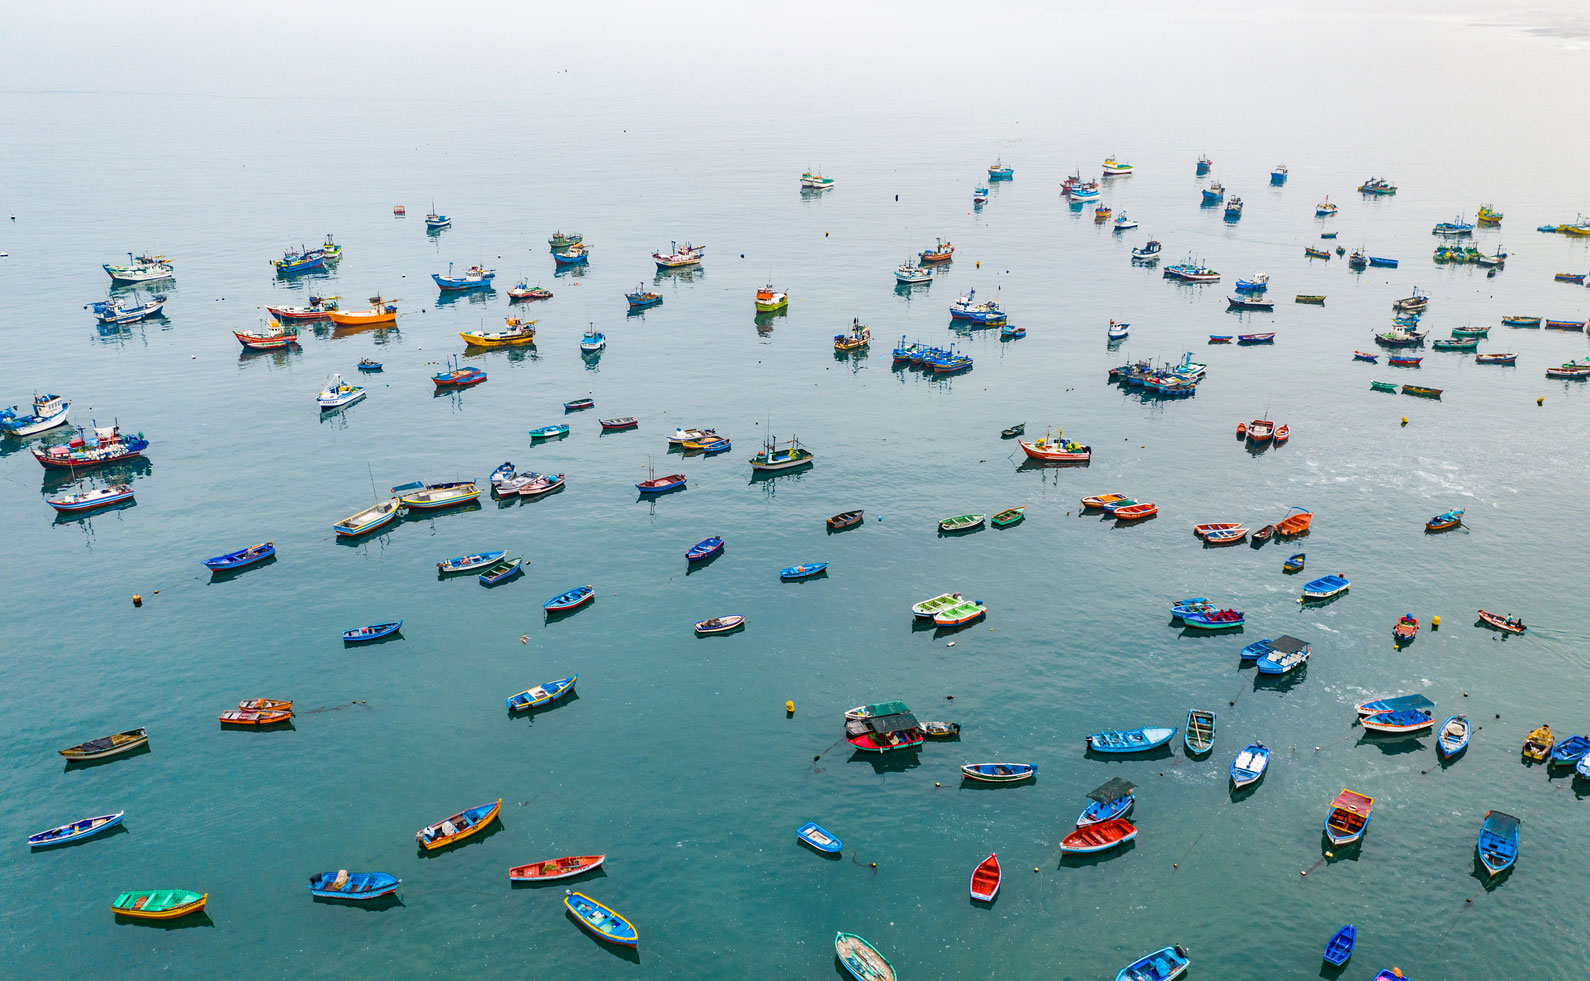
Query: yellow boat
x,y
458,827
1489,215
380,312
159,904
858,338
518,332
1539,744
769,299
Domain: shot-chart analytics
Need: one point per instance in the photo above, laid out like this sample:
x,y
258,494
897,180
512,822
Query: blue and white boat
x,y
601,921
469,563
1278,175
76,831
576,254
338,393
1284,644
1250,764
435,222
533,698
1130,740
1568,752
1258,284
592,341
1213,193
501,571
1340,946
241,558
818,837
1122,223
967,308
115,311
1382,262
353,886
547,432
805,571
1401,722
1149,252
1197,604
295,261
1280,661
1453,737
1325,587
375,631
1453,229
999,172
1233,208
705,549
141,269
48,412
1161,965
1498,842
1393,704
1115,798
571,599
475,278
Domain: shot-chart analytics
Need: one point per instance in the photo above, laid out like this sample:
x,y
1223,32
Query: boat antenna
x,y
372,478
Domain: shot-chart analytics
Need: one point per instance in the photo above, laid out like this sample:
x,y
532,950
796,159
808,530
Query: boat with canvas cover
x,y
1498,842
1400,702
1112,799
1348,818
105,444
421,496
884,733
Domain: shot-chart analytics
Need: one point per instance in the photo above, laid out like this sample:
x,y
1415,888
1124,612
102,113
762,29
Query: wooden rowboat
x,y
571,599
555,868
1294,524
1498,842
601,921
941,730
265,704
354,886
859,958
1453,737
458,827
1162,965
1445,520
107,746
1094,503
845,519
985,879
1348,818
76,831
999,772
1226,536
719,625
1199,736
241,558
1099,837
1136,512
368,520
1537,745
1512,625
1008,517
255,717
359,635
1340,946
502,570
1407,626
159,904
819,838
1203,530
962,522
704,549
469,563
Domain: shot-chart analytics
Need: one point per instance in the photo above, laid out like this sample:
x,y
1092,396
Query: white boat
x,y
141,269
115,311
1149,252
813,181
1122,223
369,519
593,341
911,272
339,393
681,256
1117,331
49,411
87,500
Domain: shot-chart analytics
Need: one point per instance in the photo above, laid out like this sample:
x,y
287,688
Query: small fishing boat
x,y
560,241
141,269
1098,837
1285,654
1278,175
1148,253
88,500
941,251
1213,619
960,614
1325,209
680,257
1445,520
967,308
376,631
1340,946
1401,722
119,312
458,827
577,405
1136,512
1100,500
548,432
1122,223
574,255
1569,751
255,717
719,625
475,278
458,376
1383,386
1575,278
962,522
1293,525
818,837
806,571
1162,965
295,261
928,609
861,960
1102,213
704,549
813,181
1378,186
1520,321
338,393
265,704
271,338
420,496
985,879
1130,740
1259,430
1512,625
159,904
501,571
601,921
435,221
537,484
1348,818
356,886
1455,343
1498,842
570,600
524,291
1496,358
1250,765
1453,737
542,695
1199,735
884,733
241,558
1117,331
1050,449
1204,163
1294,564
999,772
105,444
1399,361
1421,392
76,831
911,272
1008,517
1366,356
1220,338
1113,799
1284,647
1258,284
769,299
1325,587
845,519
375,516
1314,253
979,195
788,457
556,868
1241,302
517,333
941,730
619,422
1263,534
380,312
1268,338
1314,299
661,485
859,338
641,298
1283,433
1537,745
1400,702
999,172
48,412
1010,332
1214,192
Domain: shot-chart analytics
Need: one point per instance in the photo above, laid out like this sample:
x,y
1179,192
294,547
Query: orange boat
x,y
1283,433
555,868
1242,430
1294,524
380,312
1094,503
1136,512
250,717
1051,449
1512,625
942,252
1260,430
265,704
458,827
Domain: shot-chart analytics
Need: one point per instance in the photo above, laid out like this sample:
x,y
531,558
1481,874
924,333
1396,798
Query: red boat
x,y
523,292
399,210
657,485
1403,362
1260,430
942,252
622,422
1511,625
1099,837
1136,512
1052,450
1242,430
884,734
319,308
1283,433
269,340
985,879
1407,626
555,868
1203,530
105,445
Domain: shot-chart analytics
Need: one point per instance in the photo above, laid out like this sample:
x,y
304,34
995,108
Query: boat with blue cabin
x,y
1214,192
48,412
1278,175
475,278
1348,818
642,298
295,261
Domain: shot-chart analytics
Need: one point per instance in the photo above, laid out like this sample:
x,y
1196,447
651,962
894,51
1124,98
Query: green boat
x,y
1005,519
159,904
927,609
1455,343
962,522
1471,332
560,241
1383,386
963,612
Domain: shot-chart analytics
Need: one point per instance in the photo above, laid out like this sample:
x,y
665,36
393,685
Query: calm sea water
x,y
676,757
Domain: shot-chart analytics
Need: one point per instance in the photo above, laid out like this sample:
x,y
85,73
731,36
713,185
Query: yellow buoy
x,y
137,600
1404,420
789,706
1435,623
1541,400
979,263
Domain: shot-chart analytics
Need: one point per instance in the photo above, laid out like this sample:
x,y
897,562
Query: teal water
x,y
676,757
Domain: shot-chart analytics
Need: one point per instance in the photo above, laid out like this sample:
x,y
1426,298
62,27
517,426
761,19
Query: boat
x,y
1358,260
524,291
1191,272
1122,223
1325,587
1258,284
1102,213
1427,393
300,260
356,886
1569,751
641,298
1213,619
962,522
1399,722
805,571
1471,331
941,730
1136,512
979,195
1240,302
680,257
845,519
940,251
560,241
159,904
375,516
1348,818
1512,625
719,625
556,868
1250,764
1148,253
380,312
1537,745
1100,500
1498,842
1116,331
1397,704
255,717
999,772
1283,433
1496,358
1294,564
548,432
1520,321
601,921
1488,215
1259,430
537,484
704,549
1130,740
338,393
117,311
399,211
1456,228
1161,965
376,631
421,496
788,457
818,837
501,571
1220,338
1453,738
141,269
48,412
858,339
1575,278
813,181
661,485
884,733
911,272
516,333
458,376
769,299
1112,799
434,221
1204,163
618,423
1293,525
1390,974
1263,534
241,558
1445,520
862,960
458,827
1098,837
1214,192
1575,374
999,172
88,500
1455,343
1282,647
1314,253
1233,208
271,338
576,597
1008,517
930,608
966,308
1399,361
960,614
542,695
1325,209
985,879
1340,946
577,405
1268,338
1284,654
1564,324
1050,449
105,445
1199,735
75,831
1376,185
573,256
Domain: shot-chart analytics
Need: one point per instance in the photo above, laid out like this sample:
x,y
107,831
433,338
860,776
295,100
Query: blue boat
x,y
601,921
705,549
469,563
295,261
1325,587
999,172
818,837
642,298
1340,946
1197,604
1213,193
532,698
1394,704
1498,842
1454,737
1391,974
241,558
1258,284
806,571
571,599
76,831
1569,751
355,886
476,278
501,571
435,222
375,631
966,308
1112,800
1385,263
547,432
1295,563
1250,765
1130,740
573,257
1284,644
1284,657
1214,620
1278,176
1161,965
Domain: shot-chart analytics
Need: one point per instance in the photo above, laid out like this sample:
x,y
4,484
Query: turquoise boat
x,y
547,432
1130,740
